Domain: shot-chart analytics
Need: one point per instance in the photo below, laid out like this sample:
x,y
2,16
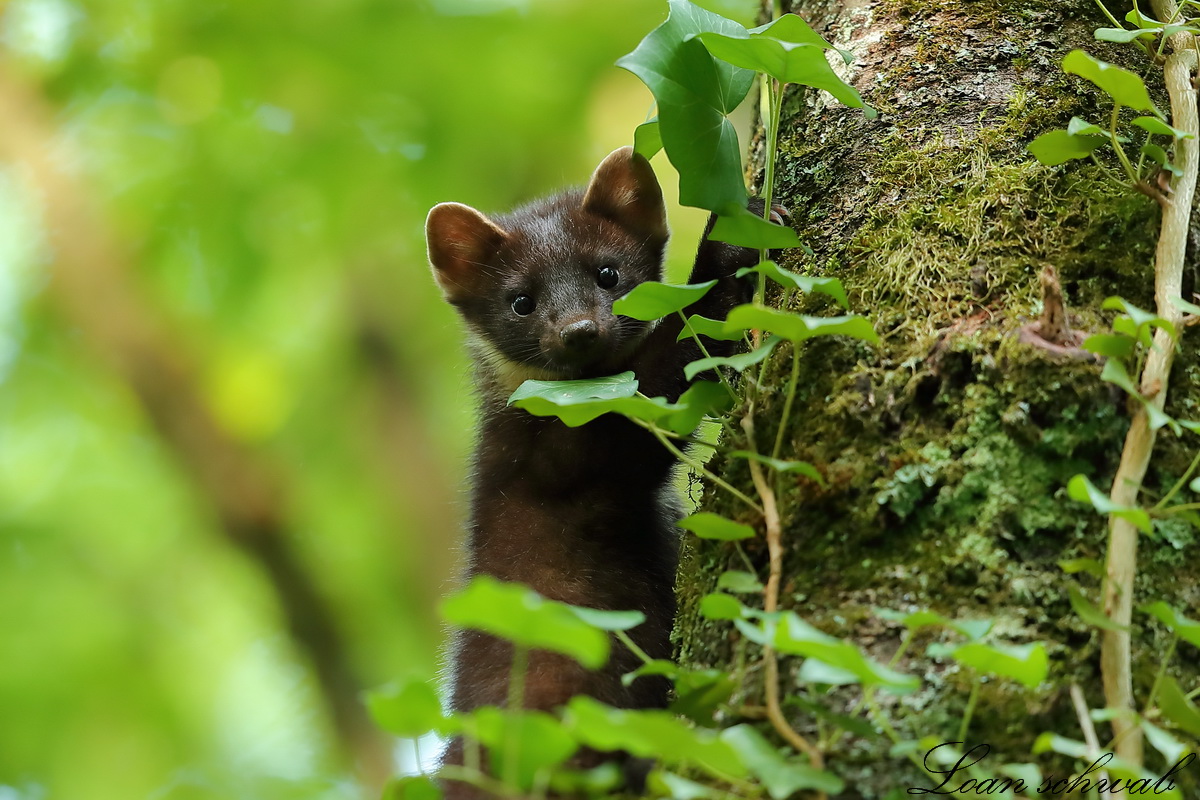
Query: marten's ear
x,y
623,189
461,243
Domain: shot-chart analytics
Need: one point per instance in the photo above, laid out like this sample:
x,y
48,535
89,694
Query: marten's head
x,y
536,286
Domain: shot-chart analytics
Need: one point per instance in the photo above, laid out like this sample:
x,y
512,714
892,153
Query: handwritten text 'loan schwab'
x,y
1091,778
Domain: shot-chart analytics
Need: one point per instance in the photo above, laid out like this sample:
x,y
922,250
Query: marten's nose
x,y
579,335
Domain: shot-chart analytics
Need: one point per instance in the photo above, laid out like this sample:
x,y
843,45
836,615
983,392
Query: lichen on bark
x,y
947,448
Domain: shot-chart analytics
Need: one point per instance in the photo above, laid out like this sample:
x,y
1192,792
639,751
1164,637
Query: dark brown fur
x,y
582,515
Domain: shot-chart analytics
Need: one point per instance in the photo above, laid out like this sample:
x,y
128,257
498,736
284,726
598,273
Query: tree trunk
x,y
947,447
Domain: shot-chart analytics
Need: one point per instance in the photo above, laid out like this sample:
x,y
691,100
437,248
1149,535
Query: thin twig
x,y
787,403
695,465
771,604
1089,733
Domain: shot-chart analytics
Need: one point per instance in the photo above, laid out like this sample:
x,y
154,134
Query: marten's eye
x,y
523,305
607,278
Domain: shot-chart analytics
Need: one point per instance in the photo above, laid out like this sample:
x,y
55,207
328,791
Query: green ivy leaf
x,y
1171,30
760,634
581,401
657,666
805,283
1185,306
798,327
538,740
1156,125
578,402
720,606
1141,20
646,734
1081,489
1089,613
1081,127
796,637
415,787
924,618
1110,345
702,398
651,300
1124,35
1115,373
579,391
855,725
1186,629
738,225
1059,147
694,92
1176,707
1159,156
1027,664
740,582
409,709
1171,748
1116,768
521,615
647,139
1123,86
1030,774
815,672
1052,742
703,326
781,777
699,693
708,525
788,50
1142,320
607,620
779,465
738,362
1089,565
667,784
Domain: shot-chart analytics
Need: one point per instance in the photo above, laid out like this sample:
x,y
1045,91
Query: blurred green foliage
x,y
266,167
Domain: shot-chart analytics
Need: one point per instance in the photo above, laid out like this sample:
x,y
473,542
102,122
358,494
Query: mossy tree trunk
x,y
947,448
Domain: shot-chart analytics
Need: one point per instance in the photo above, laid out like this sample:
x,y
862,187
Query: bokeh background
x,y
235,414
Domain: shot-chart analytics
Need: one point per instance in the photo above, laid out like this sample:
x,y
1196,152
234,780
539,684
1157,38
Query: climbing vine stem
x,y
1121,567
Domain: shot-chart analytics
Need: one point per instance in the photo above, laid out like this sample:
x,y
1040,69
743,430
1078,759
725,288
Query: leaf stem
x,y
474,777
695,465
1162,670
516,699
1130,172
704,351
1112,176
623,637
1108,14
1179,484
1182,507
787,404
741,551
771,603
969,712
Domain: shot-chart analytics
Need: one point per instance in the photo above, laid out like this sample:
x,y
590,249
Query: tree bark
x,y
947,447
